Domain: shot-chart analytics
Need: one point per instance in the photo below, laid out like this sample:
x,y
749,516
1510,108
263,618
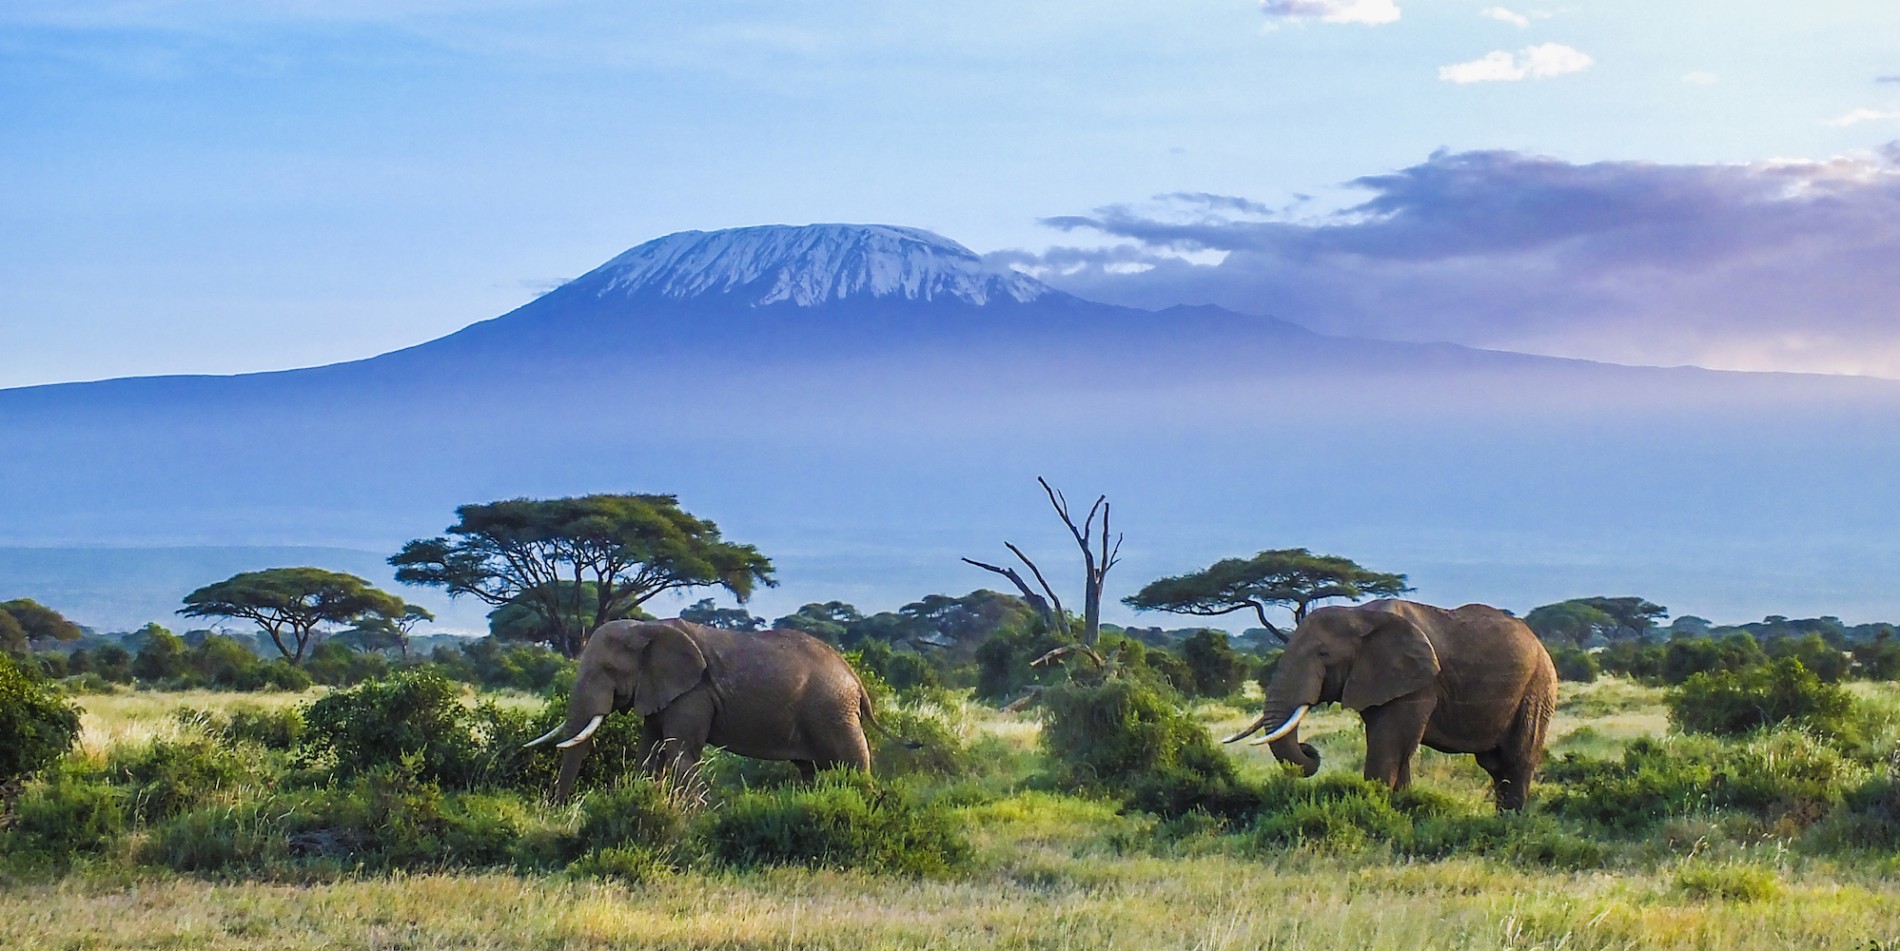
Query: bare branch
x,y
1035,600
1060,623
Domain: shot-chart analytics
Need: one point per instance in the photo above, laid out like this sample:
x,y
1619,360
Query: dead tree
x,y
1097,558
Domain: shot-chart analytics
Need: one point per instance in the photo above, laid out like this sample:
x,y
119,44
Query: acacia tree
x,y
293,602
1293,577
549,554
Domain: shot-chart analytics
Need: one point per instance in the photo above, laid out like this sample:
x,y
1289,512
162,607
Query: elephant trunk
x,y
1289,749
571,759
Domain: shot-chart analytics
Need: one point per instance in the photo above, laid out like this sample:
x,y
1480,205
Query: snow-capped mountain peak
x,y
811,265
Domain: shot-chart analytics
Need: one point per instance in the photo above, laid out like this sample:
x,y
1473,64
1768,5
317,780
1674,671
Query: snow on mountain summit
x,y
811,265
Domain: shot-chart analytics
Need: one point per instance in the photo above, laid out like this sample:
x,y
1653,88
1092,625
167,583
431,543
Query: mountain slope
x,y
869,403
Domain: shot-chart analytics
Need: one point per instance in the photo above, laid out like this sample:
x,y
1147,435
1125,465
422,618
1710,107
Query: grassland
x,y
1051,870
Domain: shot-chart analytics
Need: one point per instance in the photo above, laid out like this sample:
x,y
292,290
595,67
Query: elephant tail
x,y
865,715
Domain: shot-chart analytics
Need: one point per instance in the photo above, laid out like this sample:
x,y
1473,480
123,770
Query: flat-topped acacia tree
x,y
293,602
1293,577
547,554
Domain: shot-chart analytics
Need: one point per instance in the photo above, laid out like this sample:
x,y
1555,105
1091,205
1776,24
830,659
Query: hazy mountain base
x,y
1051,870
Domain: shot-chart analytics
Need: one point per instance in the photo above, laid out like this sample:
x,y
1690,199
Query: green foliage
x,y
293,603
24,620
1125,737
1726,882
487,662
1218,670
1575,664
842,821
1734,703
1685,657
415,713
161,659
639,812
1290,576
1635,659
273,729
1828,663
335,663
1568,622
1003,661
904,671
704,611
1785,776
629,547
1879,658
169,776
37,725
828,621
68,812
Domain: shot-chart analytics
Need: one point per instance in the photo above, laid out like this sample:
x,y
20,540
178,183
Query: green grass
x,y
1046,869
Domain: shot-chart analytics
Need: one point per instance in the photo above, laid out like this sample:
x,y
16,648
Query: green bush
x,y
1685,657
640,811
1336,812
1829,663
37,726
1575,664
169,776
1120,732
280,729
842,821
64,814
1869,816
1781,777
1732,703
418,712
1218,669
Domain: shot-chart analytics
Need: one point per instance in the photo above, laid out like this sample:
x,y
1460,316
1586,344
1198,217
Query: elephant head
x,y
1359,656
626,665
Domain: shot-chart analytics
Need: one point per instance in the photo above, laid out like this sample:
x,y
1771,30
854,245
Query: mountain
x,y
869,403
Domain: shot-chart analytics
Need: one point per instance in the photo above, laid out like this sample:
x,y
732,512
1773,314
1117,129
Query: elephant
x,y
775,695
1469,680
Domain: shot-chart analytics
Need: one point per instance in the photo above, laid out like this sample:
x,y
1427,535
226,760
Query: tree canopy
x,y
1293,577
293,603
24,620
544,553
1578,619
704,611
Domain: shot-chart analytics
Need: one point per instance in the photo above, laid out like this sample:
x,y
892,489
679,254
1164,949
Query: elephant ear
x,y
1394,660
670,664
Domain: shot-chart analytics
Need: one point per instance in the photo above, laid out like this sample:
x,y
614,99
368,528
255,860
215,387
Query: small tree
x,y
37,727
547,552
291,603
1293,577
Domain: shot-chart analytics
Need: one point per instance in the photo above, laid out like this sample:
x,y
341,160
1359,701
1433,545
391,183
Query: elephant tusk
x,y
543,738
1243,734
1299,713
585,732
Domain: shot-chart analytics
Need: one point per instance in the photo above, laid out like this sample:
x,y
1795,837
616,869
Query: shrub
x,y
1120,732
628,864
279,729
37,727
66,813
1218,670
1336,812
1685,657
640,812
170,776
1734,703
1575,664
1783,776
1829,663
842,821
1869,815
379,722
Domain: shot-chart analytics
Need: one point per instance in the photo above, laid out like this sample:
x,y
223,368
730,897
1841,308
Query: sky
x,y
220,186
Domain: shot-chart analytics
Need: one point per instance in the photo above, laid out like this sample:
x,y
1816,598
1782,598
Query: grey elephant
x,y
776,695
1470,680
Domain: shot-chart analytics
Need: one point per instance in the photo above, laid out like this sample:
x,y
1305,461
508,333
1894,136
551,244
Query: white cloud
x,y
1369,12
1859,116
1700,78
1542,61
1503,15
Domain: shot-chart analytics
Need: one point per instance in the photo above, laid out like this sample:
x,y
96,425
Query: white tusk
x,y
585,732
1243,734
543,738
1299,713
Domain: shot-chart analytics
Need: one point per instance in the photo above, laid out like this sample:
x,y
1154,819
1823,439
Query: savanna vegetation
x,y
1707,787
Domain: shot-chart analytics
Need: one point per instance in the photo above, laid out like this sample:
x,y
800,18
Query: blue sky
x,y
234,185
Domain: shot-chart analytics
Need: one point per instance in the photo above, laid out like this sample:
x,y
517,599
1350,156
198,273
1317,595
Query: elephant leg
x,y
1510,778
651,746
807,770
684,727
1393,732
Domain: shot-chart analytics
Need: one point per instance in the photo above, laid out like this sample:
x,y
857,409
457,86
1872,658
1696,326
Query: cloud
x,y
1512,17
1858,116
1887,79
1533,62
1784,265
1369,12
1700,78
